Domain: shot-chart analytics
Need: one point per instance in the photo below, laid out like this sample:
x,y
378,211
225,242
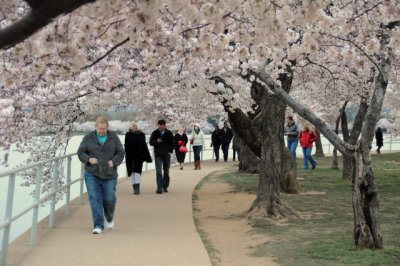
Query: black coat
x,y
183,138
166,146
136,147
227,136
379,138
216,138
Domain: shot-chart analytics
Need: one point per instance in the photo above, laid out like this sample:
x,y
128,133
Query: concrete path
x,y
150,229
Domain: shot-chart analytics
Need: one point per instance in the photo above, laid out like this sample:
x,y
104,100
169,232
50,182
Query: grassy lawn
x,y
324,237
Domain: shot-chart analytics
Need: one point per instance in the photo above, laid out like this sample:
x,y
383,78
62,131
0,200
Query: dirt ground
x,y
226,232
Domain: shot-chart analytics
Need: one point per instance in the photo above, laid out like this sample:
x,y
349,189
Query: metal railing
x,y
9,218
38,199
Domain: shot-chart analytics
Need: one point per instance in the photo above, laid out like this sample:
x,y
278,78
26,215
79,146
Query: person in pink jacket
x,y
307,138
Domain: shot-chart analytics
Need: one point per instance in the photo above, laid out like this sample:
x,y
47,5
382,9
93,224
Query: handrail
x,y
9,218
33,165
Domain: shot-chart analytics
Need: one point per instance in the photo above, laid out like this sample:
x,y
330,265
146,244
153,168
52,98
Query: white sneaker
x,y
110,225
97,231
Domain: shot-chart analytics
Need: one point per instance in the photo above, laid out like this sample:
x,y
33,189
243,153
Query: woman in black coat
x,y
136,152
180,139
379,139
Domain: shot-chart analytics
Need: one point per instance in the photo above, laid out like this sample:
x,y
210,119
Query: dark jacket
x,y
177,138
227,136
216,138
136,147
379,138
292,131
166,146
111,150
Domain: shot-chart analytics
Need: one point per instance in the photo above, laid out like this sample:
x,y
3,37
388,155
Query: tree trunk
x,y
348,166
365,204
319,150
248,161
289,182
335,165
272,114
348,161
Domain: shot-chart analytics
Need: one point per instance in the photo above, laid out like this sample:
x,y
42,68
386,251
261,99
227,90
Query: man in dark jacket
x,y
163,142
216,142
226,138
101,152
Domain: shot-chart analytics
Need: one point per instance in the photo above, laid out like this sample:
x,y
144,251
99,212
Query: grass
x,y
324,237
211,250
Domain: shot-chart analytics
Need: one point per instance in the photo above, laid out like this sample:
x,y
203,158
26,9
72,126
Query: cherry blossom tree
x,y
102,53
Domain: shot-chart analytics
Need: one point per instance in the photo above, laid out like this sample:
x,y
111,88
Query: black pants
x,y
225,149
216,151
180,156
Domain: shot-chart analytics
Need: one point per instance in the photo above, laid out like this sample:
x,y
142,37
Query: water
x,y
22,198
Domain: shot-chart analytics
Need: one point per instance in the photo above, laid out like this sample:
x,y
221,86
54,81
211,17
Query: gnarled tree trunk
x,y
248,161
272,115
365,204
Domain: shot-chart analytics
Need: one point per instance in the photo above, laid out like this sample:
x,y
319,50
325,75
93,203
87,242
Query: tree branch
x,y
106,54
305,113
41,14
364,53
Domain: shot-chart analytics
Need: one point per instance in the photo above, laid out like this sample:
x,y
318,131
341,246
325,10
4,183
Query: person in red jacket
x,y
307,138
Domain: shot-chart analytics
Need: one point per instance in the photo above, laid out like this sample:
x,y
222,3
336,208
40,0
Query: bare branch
x,y
106,54
41,15
365,11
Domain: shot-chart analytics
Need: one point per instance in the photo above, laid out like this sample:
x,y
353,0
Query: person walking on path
x,y
136,152
216,142
181,140
379,139
163,142
292,133
226,138
197,139
307,138
101,152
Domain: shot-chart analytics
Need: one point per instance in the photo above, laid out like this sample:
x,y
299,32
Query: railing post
x,y
8,215
68,196
35,215
81,185
390,144
52,220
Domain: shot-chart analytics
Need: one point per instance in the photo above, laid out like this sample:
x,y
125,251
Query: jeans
x,y
225,149
216,151
197,151
308,157
162,164
292,146
102,198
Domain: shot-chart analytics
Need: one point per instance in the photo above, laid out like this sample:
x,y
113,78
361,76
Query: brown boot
x,y
195,165
198,165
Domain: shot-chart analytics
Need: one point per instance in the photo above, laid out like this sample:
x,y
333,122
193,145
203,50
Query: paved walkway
x,y
150,229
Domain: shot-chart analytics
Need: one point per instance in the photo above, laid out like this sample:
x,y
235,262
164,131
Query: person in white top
x,y
197,140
